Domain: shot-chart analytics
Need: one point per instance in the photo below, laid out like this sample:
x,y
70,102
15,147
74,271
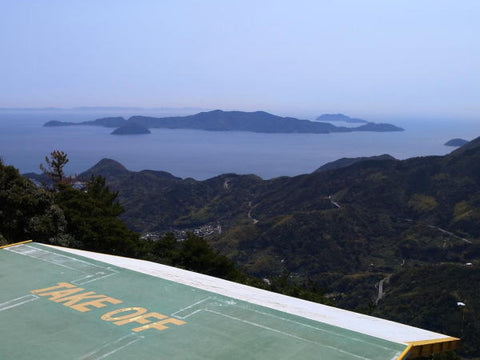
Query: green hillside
x,y
342,230
373,214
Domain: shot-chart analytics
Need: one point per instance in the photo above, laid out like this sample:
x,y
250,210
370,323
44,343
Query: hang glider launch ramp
x,y
59,303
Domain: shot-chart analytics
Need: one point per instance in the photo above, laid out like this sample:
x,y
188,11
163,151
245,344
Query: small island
x,y
111,122
340,117
53,123
131,129
457,142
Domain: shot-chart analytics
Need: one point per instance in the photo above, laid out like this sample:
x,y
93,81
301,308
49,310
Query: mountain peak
x,y
110,162
106,168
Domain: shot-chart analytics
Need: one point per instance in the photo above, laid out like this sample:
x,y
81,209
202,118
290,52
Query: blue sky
x,y
361,57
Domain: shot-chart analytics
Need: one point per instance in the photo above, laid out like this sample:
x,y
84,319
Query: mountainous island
x,y
218,120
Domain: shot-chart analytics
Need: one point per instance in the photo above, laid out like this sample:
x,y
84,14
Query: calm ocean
x,y
201,154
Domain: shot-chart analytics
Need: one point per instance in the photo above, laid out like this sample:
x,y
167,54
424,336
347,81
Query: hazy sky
x,y
360,57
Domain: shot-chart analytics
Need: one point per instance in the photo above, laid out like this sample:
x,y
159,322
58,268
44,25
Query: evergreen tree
x,y
54,165
27,211
92,217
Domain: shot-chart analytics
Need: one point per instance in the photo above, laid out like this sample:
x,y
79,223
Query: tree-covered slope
x,y
343,229
379,212
27,211
444,297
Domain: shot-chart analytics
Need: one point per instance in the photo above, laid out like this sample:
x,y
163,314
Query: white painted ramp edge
x,y
369,325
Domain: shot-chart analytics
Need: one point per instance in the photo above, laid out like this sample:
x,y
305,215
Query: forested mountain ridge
x,y
344,162
343,230
298,218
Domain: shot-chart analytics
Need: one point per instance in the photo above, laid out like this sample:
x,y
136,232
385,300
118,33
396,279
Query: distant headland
x,y
131,129
219,120
340,117
457,142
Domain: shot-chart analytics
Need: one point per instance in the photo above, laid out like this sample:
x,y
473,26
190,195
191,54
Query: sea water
x,y
24,143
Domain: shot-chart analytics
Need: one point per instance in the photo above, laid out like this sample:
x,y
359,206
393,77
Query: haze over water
x,y
24,143
410,63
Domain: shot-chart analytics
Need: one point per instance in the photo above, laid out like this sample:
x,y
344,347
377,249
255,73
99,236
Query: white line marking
x,y
30,254
261,326
39,252
277,317
111,347
17,302
319,329
194,304
92,270
287,334
90,278
189,307
193,313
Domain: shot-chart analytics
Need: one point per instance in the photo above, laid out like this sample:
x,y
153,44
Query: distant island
x,y
457,142
109,122
131,129
218,120
340,117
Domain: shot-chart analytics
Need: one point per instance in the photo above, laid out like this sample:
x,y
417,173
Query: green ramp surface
x,y
57,305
